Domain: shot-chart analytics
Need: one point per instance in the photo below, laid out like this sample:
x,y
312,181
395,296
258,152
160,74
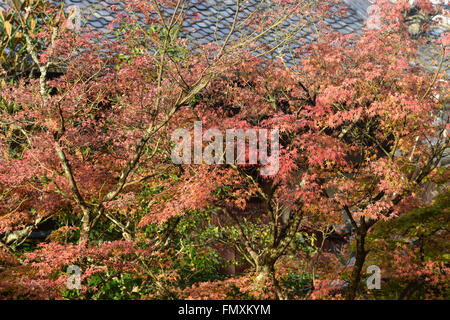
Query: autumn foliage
x,y
85,154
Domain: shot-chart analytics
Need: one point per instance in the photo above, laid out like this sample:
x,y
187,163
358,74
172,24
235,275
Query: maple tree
x,y
417,243
356,120
86,145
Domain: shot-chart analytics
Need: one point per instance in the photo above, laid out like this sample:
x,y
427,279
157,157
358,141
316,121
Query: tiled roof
x,y
99,14
216,16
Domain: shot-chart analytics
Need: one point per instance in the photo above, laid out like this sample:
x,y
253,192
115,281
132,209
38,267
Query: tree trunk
x,y
85,227
412,287
265,273
359,262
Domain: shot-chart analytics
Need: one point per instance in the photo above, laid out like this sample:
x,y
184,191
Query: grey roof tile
x,y
221,12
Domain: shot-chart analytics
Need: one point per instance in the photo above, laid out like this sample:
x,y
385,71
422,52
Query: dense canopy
x,y
92,205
